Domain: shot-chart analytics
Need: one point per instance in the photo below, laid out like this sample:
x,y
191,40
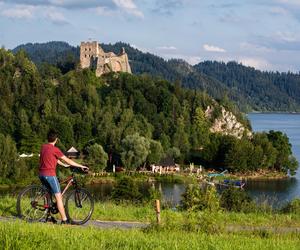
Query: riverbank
x,y
260,175
184,176
187,178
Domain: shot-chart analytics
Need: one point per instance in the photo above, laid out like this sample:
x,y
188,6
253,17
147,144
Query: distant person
x,y
49,157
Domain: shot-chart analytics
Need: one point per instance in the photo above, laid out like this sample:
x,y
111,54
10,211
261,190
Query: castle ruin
x,y
93,56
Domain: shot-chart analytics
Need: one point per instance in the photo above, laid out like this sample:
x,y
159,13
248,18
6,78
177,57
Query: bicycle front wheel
x,y
32,203
79,206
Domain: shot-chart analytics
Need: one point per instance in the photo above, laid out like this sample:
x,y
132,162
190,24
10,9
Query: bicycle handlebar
x,y
78,170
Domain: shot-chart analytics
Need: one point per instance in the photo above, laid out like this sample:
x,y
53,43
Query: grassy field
x,y
20,235
145,213
179,230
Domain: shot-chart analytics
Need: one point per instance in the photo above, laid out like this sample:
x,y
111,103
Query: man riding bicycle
x,y
49,157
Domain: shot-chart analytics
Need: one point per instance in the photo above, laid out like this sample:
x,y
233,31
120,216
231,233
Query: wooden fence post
x,y
157,209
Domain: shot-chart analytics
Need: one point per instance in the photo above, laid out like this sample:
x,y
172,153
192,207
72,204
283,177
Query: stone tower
x,y
93,56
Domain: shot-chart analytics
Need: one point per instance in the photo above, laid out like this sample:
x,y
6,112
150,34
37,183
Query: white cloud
x,y
258,63
246,46
56,17
19,12
105,11
103,7
189,59
278,10
285,36
129,7
193,59
293,2
67,4
255,62
166,48
170,54
212,48
145,50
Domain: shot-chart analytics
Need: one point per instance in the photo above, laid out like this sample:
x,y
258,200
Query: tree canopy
x,y
138,117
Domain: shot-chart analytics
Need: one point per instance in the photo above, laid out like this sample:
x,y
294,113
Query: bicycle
x,y
35,202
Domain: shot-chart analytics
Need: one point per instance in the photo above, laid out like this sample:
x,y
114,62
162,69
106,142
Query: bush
x,y
169,178
236,200
128,189
292,207
197,198
204,223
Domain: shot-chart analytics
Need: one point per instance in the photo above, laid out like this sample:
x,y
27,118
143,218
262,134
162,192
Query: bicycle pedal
x,y
51,219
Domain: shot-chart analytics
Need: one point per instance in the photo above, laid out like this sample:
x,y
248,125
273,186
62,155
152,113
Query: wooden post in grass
x,y
157,210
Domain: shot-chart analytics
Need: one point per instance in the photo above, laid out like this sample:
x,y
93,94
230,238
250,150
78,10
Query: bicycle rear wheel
x,y
33,203
79,206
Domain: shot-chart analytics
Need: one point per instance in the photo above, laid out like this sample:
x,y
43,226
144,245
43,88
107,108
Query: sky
x,y
260,33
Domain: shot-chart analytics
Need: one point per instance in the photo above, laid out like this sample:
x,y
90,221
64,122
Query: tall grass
x,y
145,213
179,230
20,235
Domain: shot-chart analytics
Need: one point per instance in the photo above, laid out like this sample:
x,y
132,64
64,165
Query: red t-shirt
x,y
48,159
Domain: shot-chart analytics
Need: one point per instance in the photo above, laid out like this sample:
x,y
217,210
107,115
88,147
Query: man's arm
x,y
62,164
73,163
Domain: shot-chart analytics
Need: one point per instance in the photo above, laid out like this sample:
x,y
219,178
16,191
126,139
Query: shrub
x,y
203,222
237,200
128,189
292,207
197,198
169,178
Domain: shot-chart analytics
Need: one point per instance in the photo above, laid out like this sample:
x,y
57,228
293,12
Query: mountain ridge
x,y
249,88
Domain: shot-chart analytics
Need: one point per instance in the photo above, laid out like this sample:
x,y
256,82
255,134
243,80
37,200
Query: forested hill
x,y
262,90
139,118
250,89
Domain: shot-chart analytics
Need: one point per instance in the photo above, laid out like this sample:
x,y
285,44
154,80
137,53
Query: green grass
x,y
179,230
145,213
21,235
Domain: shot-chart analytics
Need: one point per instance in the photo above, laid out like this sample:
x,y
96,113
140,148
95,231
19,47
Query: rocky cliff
x,y
226,123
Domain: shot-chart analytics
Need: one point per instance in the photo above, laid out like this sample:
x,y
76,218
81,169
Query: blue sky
x,y
260,33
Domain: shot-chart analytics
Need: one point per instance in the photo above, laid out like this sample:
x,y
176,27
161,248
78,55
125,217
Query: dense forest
x,y
139,119
250,89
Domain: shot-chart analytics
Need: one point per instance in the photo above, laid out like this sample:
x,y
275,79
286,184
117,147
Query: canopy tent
x,y
72,153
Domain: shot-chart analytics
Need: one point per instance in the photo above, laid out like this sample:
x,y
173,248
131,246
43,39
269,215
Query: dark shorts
x,y
51,183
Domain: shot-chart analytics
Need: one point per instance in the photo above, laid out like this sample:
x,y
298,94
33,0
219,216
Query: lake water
x,y
275,192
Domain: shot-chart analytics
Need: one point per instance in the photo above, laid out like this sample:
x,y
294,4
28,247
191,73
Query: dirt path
x,y
100,224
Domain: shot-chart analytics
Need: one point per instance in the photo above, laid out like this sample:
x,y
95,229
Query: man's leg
x,y
60,206
55,187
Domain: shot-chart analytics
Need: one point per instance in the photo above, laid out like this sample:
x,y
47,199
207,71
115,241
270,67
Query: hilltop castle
x,y
93,56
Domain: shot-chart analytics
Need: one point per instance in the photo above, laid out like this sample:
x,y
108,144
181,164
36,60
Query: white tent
x,y
25,155
72,150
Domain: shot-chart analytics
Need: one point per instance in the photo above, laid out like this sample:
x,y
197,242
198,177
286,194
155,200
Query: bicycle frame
x,y
70,182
